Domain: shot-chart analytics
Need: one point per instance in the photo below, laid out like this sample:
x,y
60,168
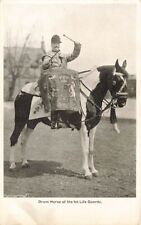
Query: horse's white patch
x,y
31,88
90,81
37,109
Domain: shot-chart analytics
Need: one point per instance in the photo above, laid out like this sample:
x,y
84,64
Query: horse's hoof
x,y
88,177
12,169
26,165
95,174
118,131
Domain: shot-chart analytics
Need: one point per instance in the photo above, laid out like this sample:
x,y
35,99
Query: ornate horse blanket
x,y
64,91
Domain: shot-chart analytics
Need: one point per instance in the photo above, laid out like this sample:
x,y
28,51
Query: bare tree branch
x,y
15,63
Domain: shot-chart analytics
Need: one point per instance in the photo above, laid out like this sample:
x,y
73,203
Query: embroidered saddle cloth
x,y
64,88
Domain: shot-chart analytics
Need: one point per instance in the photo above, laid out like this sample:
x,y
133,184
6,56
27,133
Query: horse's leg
x,y
13,141
91,151
24,139
22,108
12,157
31,124
85,149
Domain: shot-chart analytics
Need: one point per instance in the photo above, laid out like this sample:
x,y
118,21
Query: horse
x,y
112,78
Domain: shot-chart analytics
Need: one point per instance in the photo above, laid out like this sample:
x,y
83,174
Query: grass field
x,y
55,160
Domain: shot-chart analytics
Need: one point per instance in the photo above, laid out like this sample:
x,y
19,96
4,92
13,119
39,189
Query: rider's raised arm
x,y
75,53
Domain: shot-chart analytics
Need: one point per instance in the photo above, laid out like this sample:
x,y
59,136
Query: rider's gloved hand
x,y
77,43
46,66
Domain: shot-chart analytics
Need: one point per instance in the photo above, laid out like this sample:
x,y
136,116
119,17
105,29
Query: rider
x,y
54,59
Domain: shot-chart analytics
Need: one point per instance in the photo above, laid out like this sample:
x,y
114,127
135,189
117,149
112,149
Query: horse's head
x,y
118,88
115,80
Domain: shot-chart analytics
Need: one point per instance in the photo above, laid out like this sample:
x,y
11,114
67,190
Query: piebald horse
x,y
112,78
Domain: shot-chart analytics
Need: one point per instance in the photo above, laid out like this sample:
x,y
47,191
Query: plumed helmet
x,y
55,39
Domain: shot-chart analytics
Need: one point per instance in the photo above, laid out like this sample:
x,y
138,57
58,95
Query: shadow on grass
x,y
39,168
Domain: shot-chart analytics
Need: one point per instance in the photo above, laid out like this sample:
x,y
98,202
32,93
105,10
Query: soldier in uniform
x,y
53,59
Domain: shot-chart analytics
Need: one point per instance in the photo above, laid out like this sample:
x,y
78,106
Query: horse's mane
x,y
105,71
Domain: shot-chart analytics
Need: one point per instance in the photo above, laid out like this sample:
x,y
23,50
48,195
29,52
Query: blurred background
x,y
106,32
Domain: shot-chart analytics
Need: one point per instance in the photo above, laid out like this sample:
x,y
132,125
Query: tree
x,y
15,61
37,62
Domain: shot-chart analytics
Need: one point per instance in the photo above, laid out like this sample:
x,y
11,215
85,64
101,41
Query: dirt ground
x,y
55,162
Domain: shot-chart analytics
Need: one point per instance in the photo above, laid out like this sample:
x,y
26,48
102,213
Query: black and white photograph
x,y
69,102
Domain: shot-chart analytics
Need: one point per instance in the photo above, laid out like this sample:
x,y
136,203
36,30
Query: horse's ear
x,y
124,64
117,66
117,63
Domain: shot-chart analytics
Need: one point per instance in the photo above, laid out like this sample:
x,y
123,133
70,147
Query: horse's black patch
x,y
94,104
32,123
69,118
93,115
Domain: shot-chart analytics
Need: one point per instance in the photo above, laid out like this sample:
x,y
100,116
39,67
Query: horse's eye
x,y
114,82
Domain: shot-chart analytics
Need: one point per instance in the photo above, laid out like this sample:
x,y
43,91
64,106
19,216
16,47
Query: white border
x,y
112,210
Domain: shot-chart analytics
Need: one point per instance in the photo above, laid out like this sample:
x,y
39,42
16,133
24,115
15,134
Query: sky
x,y
106,31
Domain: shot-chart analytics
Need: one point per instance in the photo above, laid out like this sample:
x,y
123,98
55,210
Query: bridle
x,y
120,93
111,103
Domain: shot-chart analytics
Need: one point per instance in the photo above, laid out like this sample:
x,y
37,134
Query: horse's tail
x,y
22,105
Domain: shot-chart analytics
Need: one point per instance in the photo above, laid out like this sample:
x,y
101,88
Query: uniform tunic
x,y
60,59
